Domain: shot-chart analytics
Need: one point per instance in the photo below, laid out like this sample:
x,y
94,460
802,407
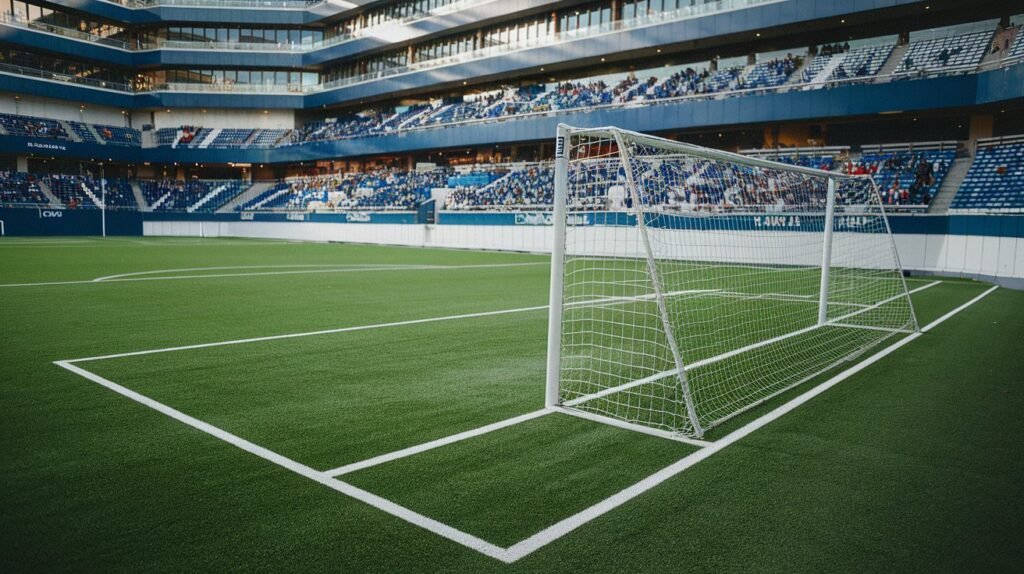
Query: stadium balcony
x,y
285,12
691,95
646,31
36,127
419,22
995,180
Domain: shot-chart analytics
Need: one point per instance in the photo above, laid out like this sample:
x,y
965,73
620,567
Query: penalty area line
x,y
133,278
380,503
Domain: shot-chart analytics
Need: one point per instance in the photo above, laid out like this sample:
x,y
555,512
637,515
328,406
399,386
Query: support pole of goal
x,y
826,252
551,394
659,295
103,199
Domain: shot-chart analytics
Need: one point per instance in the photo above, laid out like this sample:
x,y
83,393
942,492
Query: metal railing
x,y
15,20
265,4
569,36
62,77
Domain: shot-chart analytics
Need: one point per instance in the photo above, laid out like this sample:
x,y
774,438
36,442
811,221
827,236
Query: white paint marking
x,y
559,529
703,362
884,301
938,321
235,267
870,328
691,366
563,527
349,468
270,273
311,333
441,529
630,426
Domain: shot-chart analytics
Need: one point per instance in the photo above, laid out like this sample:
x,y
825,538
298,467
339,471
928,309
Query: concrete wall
x,y
961,255
59,109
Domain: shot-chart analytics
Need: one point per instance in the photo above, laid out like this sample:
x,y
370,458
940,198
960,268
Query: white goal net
x,y
690,285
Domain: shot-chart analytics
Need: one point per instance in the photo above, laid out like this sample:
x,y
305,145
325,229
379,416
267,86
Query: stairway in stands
x,y
163,199
140,199
88,193
95,134
54,200
242,198
797,77
894,61
70,131
950,185
210,137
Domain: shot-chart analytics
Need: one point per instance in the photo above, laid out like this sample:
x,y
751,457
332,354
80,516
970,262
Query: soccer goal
x,y
689,285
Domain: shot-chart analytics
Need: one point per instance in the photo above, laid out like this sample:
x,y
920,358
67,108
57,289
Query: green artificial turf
x,y
914,464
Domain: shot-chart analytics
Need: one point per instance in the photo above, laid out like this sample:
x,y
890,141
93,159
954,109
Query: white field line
x,y
348,468
938,321
236,267
566,407
441,529
733,353
884,301
550,534
606,301
563,527
311,333
694,365
270,273
871,328
630,426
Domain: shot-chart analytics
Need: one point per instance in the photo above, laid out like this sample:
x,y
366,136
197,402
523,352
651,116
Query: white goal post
x,y
689,285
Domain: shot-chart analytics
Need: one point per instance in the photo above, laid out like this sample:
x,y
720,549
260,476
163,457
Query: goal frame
x,y
559,226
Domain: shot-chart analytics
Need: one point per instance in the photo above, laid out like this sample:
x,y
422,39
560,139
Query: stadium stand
x,y
381,189
995,180
192,196
72,191
772,73
941,55
520,188
29,126
20,188
906,175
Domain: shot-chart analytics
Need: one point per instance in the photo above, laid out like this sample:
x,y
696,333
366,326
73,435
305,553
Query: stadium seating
x,y
29,126
936,55
528,187
119,135
71,190
231,138
995,181
200,196
772,73
259,200
382,189
861,62
83,132
1018,45
20,188
901,176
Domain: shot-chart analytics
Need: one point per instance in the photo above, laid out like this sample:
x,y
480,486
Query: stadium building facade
x,y
248,108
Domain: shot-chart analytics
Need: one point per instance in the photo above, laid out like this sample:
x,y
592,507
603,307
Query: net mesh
x,y
692,278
